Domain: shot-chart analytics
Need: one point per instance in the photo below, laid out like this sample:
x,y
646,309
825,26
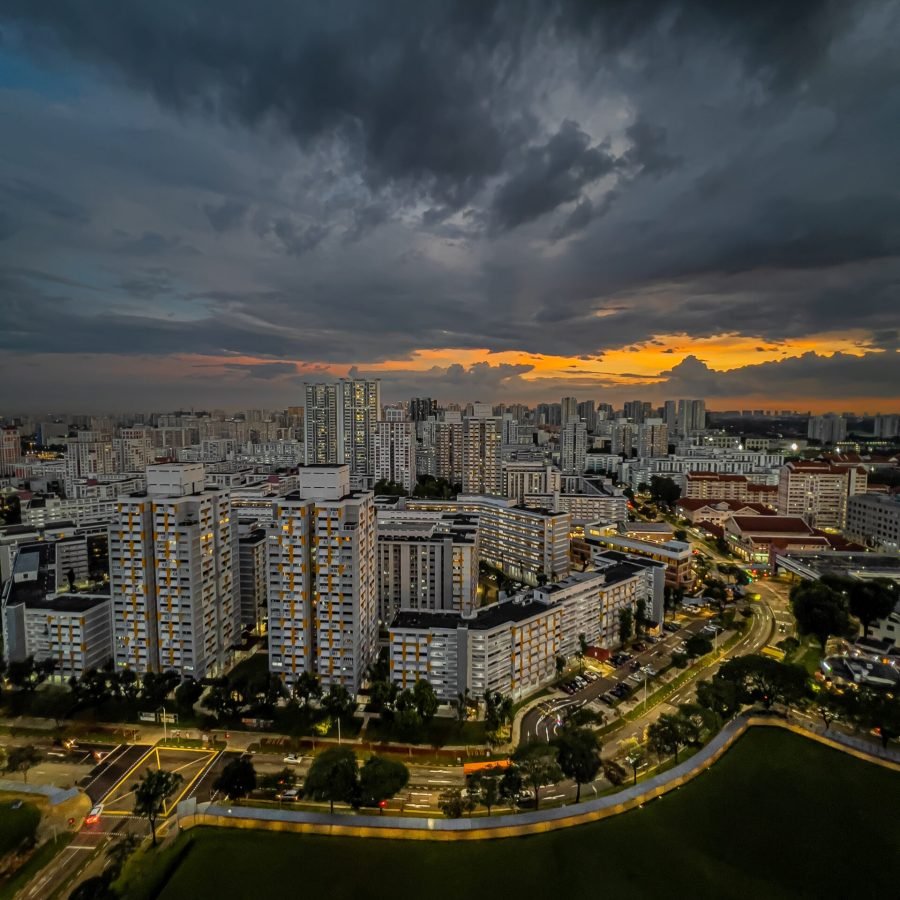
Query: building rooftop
x,y
68,602
772,524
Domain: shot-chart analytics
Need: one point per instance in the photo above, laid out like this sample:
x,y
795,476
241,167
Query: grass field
x,y
17,824
778,816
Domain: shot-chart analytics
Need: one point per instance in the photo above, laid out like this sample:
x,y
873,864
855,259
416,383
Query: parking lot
x,y
604,686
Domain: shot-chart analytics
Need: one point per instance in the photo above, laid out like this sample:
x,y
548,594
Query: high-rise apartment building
x,y
134,449
887,426
572,447
426,561
568,410
10,450
634,410
322,580
172,580
819,492
827,429
670,415
89,454
588,414
622,438
395,453
340,424
482,441
442,443
652,439
691,417
523,478
422,408
252,570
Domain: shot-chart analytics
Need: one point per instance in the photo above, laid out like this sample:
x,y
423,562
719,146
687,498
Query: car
x,y
671,627
635,666
93,817
291,794
639,645
609,698
292,760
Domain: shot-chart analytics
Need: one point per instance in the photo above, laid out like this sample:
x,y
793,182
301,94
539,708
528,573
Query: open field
x,y
17,825
778,816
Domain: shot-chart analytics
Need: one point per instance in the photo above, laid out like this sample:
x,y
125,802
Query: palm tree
x,y
151,794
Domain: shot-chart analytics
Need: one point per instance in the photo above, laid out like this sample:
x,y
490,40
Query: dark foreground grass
x,y
17,825
778,816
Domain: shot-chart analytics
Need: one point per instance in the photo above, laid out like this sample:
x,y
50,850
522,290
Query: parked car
x,y
639,646
292,795
292,760
671,627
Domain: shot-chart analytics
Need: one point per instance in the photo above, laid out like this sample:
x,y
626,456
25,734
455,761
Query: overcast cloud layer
x,y
209,203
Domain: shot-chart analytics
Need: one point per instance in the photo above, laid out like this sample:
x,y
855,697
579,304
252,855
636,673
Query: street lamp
x,y
165,725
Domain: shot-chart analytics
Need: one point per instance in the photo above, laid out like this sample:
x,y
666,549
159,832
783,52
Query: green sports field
x,y
778,816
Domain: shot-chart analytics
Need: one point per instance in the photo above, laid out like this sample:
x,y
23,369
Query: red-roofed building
x,y
752,537
721,486
717,511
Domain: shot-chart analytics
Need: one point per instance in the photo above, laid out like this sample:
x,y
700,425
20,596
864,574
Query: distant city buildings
x,y
828,429
395,454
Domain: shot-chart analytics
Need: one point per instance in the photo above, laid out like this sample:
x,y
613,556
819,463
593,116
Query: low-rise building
x,y
874,521
715,512
754,537
722,486
676,556
512,646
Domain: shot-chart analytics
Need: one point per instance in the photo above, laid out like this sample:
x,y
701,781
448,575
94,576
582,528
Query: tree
x,y
820,610
21,759
485,787
582,649
697,645
380,779
664,490
640,616
237,779
881,711
307,688
187,694
720,696
578,756
626,622
538,765
333,776
511,783
635,756
425,700
156,687
151,794
667,735
762,679
542,579
560,665
338,702
454,804
498,709
873,600
227,701
462,707
28,675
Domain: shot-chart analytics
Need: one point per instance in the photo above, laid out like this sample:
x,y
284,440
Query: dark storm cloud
x,y
350,182
551,174
265,371
225,215
870,375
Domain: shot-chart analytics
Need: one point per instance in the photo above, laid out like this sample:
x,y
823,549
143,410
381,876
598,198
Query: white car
x,y
93,817
292,760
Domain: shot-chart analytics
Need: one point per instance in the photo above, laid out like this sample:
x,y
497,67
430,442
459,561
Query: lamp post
x,y
165,725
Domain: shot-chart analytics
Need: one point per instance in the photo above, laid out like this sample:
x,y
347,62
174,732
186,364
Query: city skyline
x,y
671,201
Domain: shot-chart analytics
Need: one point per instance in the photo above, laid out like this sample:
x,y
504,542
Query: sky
x,y
208,204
